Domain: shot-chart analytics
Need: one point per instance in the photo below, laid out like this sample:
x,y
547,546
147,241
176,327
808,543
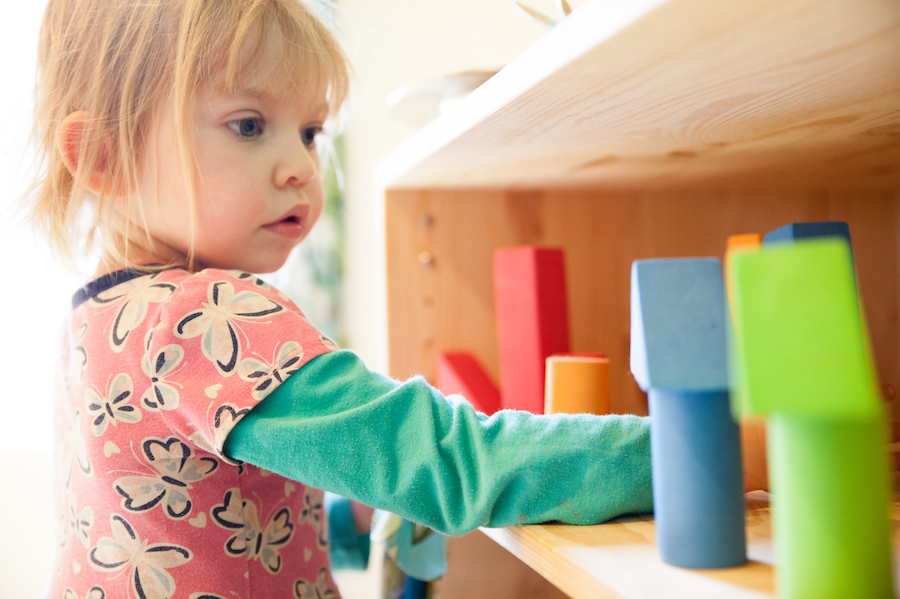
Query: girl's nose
x,y
296,166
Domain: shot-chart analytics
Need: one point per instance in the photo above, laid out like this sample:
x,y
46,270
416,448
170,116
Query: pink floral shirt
x,y
156,371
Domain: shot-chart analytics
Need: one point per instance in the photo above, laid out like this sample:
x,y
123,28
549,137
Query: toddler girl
x,y
200,414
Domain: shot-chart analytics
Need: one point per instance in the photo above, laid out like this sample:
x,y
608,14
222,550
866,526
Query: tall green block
x,y
804,363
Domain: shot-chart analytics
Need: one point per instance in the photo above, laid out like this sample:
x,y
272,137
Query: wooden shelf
x,y
680,93
619,560
641,129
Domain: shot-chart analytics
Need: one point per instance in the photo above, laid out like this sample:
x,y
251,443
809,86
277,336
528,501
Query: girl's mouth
x,y
290,225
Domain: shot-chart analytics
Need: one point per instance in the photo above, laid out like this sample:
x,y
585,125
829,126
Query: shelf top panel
x,y
656,93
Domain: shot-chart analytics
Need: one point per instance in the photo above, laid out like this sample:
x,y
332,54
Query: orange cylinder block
x,y
576,384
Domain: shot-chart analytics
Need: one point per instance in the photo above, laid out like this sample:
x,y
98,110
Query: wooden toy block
x,y
797,231
532,321
745,242
462,373
804,362
830,505
817,230
678,355
806,231
577,384
740,241
678,325
800,334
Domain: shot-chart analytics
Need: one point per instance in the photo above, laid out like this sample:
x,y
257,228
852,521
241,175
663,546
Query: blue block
x,y
678,354
678,335
698,482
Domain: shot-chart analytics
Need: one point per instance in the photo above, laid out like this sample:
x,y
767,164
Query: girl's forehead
x,y
312,97
275,67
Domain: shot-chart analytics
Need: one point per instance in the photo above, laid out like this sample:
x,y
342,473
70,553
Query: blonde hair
x,y
122,61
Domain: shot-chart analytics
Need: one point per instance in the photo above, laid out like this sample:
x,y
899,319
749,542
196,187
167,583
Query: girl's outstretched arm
x,y
406,448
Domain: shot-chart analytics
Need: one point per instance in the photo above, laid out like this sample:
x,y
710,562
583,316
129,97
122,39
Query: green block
x,y
830,495
799,334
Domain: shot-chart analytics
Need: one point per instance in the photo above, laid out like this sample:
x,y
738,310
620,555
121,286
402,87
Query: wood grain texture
x,y
618,559
680,93
448,304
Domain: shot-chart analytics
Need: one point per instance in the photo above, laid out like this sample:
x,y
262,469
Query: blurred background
x,y
411,47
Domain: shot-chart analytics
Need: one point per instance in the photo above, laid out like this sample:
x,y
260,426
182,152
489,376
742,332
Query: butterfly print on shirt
x,y
132,299
145,563
312,512
95,592
77,357
268,376
224,420
218,323
75,451
115,408
303,589
176,470
246,276
161,394
256,542
80,523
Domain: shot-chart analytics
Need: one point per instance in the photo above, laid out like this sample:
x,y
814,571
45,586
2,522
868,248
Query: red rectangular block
x,y
532,320
462,373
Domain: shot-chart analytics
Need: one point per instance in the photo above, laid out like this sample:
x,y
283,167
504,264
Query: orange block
x,y
577,384
744,242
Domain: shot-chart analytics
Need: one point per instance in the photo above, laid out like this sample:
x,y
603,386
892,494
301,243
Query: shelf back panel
x,y
440,245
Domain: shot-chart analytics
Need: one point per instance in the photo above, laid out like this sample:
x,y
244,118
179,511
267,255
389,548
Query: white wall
x,y
33,302
392,43
36,289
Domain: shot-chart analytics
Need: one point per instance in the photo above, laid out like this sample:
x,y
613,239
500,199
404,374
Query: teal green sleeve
x,y
406,448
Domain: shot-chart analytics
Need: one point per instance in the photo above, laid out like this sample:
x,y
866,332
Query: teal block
x,y
799,332
678,335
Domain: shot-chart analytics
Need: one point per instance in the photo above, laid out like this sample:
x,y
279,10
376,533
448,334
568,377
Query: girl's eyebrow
x,y
248,92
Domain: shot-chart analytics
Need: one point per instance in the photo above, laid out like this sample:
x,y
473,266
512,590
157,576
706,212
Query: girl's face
x,y
259,185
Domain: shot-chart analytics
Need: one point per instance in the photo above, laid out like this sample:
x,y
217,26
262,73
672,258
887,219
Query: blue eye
x,y
308,136
248,128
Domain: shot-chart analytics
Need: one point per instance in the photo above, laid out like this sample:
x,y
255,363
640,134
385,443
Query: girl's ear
x,y
72,134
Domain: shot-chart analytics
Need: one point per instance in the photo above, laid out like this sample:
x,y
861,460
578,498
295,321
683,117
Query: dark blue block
x,y
797,231
804,231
